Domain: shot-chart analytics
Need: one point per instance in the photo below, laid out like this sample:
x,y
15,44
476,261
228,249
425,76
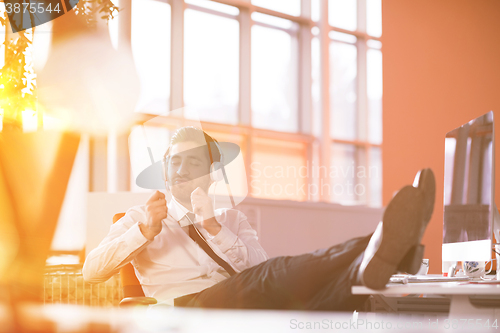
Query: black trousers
x,y
320,280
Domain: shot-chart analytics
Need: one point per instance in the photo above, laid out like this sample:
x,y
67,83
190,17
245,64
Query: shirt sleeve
x,y
239,242
123,242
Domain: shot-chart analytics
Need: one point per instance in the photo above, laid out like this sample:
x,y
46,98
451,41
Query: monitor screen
x,y
469,190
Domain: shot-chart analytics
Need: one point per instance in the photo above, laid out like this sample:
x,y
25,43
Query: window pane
x,y
278,170
274,79
235,169
342,174
316,86
291,7
140,138
42,40
362,187
30,121
348,174
374,86
71,224
343,71
374,17
375,176
374,44
342,14
211,67
151,49
113,27
315,10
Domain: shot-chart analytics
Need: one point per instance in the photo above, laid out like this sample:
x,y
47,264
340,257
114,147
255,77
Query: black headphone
x,y
217,172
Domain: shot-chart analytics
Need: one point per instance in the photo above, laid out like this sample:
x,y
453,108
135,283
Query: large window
x,y
274,74
296,83
151,50
211,63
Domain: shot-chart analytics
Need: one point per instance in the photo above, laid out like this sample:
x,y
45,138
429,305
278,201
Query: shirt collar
x,y
178,211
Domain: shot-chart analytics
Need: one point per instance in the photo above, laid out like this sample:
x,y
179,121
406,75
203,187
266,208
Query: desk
x,y
459,293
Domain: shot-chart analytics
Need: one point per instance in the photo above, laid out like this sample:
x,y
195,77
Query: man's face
x,y
188,168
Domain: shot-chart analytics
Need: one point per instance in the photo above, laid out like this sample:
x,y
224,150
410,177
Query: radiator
x,y
64,284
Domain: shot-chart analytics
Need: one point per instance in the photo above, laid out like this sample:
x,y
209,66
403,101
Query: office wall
x,y
441,68
291,228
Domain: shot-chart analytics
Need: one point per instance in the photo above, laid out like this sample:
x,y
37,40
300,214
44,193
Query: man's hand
x,y
156,211
202,205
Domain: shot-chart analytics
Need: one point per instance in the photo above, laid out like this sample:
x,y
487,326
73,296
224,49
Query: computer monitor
x,y
469,185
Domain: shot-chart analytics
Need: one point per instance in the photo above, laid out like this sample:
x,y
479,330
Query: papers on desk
x,y
404,278
485,281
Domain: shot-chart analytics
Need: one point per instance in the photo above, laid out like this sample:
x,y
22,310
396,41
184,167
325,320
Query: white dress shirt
x,y
172,264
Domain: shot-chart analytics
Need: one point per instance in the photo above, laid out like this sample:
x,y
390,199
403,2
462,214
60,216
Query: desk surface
x,y
437,288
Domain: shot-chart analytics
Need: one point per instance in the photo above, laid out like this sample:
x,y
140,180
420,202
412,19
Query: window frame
x,y
318,147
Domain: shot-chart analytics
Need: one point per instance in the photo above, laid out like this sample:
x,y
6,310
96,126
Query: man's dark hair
x,y
191,133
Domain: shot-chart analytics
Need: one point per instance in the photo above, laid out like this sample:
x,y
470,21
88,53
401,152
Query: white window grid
x,y
318,146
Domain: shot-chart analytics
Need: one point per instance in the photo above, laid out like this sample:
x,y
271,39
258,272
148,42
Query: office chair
x,y
132,290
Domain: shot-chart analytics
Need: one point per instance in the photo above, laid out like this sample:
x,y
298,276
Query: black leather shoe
x,y
425,181
395,244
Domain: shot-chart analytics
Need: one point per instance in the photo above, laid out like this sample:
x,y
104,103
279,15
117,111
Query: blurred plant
x,y
91,8
17,76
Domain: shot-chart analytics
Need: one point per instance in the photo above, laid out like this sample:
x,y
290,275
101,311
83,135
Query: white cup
x,y
447,266
424,267
475,269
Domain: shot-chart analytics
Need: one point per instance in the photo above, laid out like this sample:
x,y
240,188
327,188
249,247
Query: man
x,y
162,245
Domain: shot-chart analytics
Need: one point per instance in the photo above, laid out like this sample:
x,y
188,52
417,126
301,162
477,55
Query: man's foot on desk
x,y
395,244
